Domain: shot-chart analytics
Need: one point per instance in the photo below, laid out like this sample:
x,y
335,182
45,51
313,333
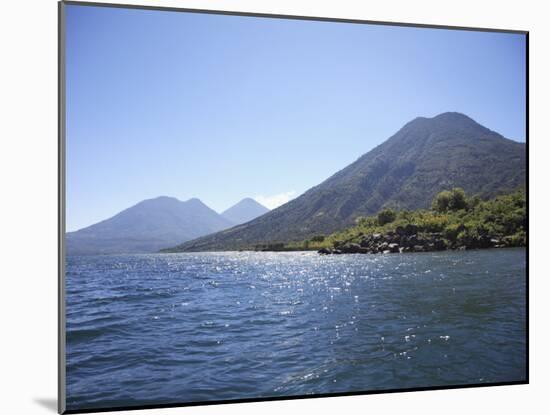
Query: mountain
x,y
149,226
406,171
244,211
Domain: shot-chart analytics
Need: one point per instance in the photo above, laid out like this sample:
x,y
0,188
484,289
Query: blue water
x,y
172,328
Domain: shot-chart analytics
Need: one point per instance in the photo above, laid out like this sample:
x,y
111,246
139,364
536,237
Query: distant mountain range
x,y
157,223
244,211
406,171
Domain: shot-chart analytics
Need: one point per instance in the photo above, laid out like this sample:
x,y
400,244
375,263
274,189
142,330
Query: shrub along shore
x,y
455,221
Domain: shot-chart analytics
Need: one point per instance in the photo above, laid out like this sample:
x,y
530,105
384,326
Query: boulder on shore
x,y
411,229
393,248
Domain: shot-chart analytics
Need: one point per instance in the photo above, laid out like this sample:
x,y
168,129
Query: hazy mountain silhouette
x,y
148,226
244,211
406,171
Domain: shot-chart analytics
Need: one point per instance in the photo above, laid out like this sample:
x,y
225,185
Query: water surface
x,y
173,328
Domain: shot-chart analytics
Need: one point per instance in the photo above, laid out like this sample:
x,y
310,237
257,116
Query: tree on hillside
x,y
452,200
386,216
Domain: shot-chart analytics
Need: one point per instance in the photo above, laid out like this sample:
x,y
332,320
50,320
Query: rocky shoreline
x,y
409,239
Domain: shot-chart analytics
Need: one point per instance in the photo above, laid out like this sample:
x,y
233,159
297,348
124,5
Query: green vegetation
x,y
454,222
450,200
386,216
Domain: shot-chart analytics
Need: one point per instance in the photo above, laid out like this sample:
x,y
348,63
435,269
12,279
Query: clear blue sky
x,y
226,107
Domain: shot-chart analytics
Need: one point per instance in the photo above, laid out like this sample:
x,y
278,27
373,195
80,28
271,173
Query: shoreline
x,y
285,250
333,251
409,240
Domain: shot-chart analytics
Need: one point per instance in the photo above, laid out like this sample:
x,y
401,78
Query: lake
x,y
174,328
